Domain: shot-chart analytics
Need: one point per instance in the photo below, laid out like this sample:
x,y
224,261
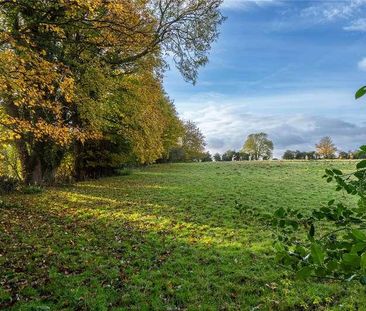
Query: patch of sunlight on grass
x,y
117,212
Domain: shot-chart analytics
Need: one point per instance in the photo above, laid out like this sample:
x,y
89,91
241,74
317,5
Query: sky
x,y
288,68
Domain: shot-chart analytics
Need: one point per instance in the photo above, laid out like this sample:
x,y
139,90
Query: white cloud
x,y
362,64
305,119
331,10
357,25
241,4
227,128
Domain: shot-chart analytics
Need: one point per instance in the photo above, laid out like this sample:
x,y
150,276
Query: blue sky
x,y
289,68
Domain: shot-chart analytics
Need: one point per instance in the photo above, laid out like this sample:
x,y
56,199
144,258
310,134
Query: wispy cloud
x,y
362,64
356,25
242,4
331,10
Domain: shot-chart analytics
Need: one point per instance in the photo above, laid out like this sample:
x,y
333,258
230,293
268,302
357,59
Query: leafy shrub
x,y
32,190
335,242
8,184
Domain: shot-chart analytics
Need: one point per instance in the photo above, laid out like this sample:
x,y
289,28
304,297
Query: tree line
x,y
325,149
259,147
81,82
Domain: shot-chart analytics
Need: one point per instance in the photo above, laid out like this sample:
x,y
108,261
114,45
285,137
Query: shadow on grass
x,y
75,251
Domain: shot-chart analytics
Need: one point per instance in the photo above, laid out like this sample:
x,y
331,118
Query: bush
x,y
330,242
8,184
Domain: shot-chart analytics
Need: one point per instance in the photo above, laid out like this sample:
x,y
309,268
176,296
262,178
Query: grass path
x,y
167,237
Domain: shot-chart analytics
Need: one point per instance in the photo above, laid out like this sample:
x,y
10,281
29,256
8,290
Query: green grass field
x,y
167,237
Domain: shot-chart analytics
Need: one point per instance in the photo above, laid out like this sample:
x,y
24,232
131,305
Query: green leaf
x,y
361,164
358,235
361,92
317,253
363,148
337,172
329,172
360,174
363,261
351,260
304,273
358,247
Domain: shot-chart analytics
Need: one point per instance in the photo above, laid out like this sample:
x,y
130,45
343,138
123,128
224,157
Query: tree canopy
x,y
258,146
326,148
79,75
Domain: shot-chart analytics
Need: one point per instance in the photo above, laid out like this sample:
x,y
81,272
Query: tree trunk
x,y
38,166
79,167
31,165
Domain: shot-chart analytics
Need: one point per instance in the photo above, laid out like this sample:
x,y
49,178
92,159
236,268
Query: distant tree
x,y
258,146
288,155
176,154
311,155
244,156
236,156
217,157
300,155
193,141
192,145
357,155
207,157
326,148
343,155
228,155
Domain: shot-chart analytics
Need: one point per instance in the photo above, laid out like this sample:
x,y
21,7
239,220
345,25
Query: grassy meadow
x,y
166,237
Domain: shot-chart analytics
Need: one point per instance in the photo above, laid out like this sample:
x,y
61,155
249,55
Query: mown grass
x,y
167,237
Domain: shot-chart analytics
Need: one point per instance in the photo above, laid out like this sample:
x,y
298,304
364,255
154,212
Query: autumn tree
x,y
326,148
61,61
193,142
258,146
142,129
